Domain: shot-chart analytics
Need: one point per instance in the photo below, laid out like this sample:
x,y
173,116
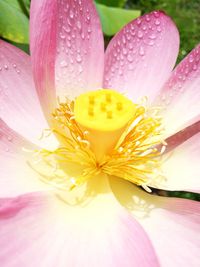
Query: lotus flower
x,y
72,197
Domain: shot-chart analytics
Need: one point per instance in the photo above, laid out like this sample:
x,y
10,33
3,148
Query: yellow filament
x,y
134,155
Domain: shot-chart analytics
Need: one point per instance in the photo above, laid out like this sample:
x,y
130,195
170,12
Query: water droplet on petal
x,y
152,36
141,51
147,18
156,14
66,29
71,14
88,18
157,22
63,64
62,36
6,67
191,58
151,42
159,29
78,58
194,67
140,34
130,58
124,51
79,26
80,69
138,21
10,138
89,30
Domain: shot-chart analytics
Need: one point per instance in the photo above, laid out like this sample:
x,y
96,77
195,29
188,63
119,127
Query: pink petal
x,y
38,230
172,224
66,38
141,56
181,167
16,176
19,105
181,95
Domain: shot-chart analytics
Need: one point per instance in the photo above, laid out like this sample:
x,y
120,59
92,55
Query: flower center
x,y
104,114
103,132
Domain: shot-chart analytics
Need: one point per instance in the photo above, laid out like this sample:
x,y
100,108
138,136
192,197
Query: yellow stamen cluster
x,y
134,156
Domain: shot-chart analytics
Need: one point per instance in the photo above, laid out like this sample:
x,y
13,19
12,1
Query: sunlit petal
x,y
172,224
100,233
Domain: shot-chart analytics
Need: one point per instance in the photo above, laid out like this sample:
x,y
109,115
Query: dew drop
x,y
69,44
191,59
132,32
128,36
6,67
10,138
80,69
156,14
78,58
120,72
130,46
152,36
194,67
62,36
89,30
130,58
159,29
66,29
151,42
124,39
88,18
147,18
157,22
71,14
138,21
63,64
79,26
141,51
83,35
125,52
144,27
140,34
14,65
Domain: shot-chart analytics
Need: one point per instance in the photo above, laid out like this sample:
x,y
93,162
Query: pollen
x,y
103,132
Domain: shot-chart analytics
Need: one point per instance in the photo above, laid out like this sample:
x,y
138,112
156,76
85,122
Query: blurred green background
x,y
114,14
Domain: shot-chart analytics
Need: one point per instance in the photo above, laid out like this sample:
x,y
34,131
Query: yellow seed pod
x,y
103,110
105,114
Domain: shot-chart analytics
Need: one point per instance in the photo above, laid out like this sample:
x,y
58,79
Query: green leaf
x,y
116,3
24,47
113,19
13,22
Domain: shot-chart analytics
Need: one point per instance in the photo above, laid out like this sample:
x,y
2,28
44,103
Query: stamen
x,y
134,157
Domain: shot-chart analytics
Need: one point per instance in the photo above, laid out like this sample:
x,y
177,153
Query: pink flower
x,y
105,220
